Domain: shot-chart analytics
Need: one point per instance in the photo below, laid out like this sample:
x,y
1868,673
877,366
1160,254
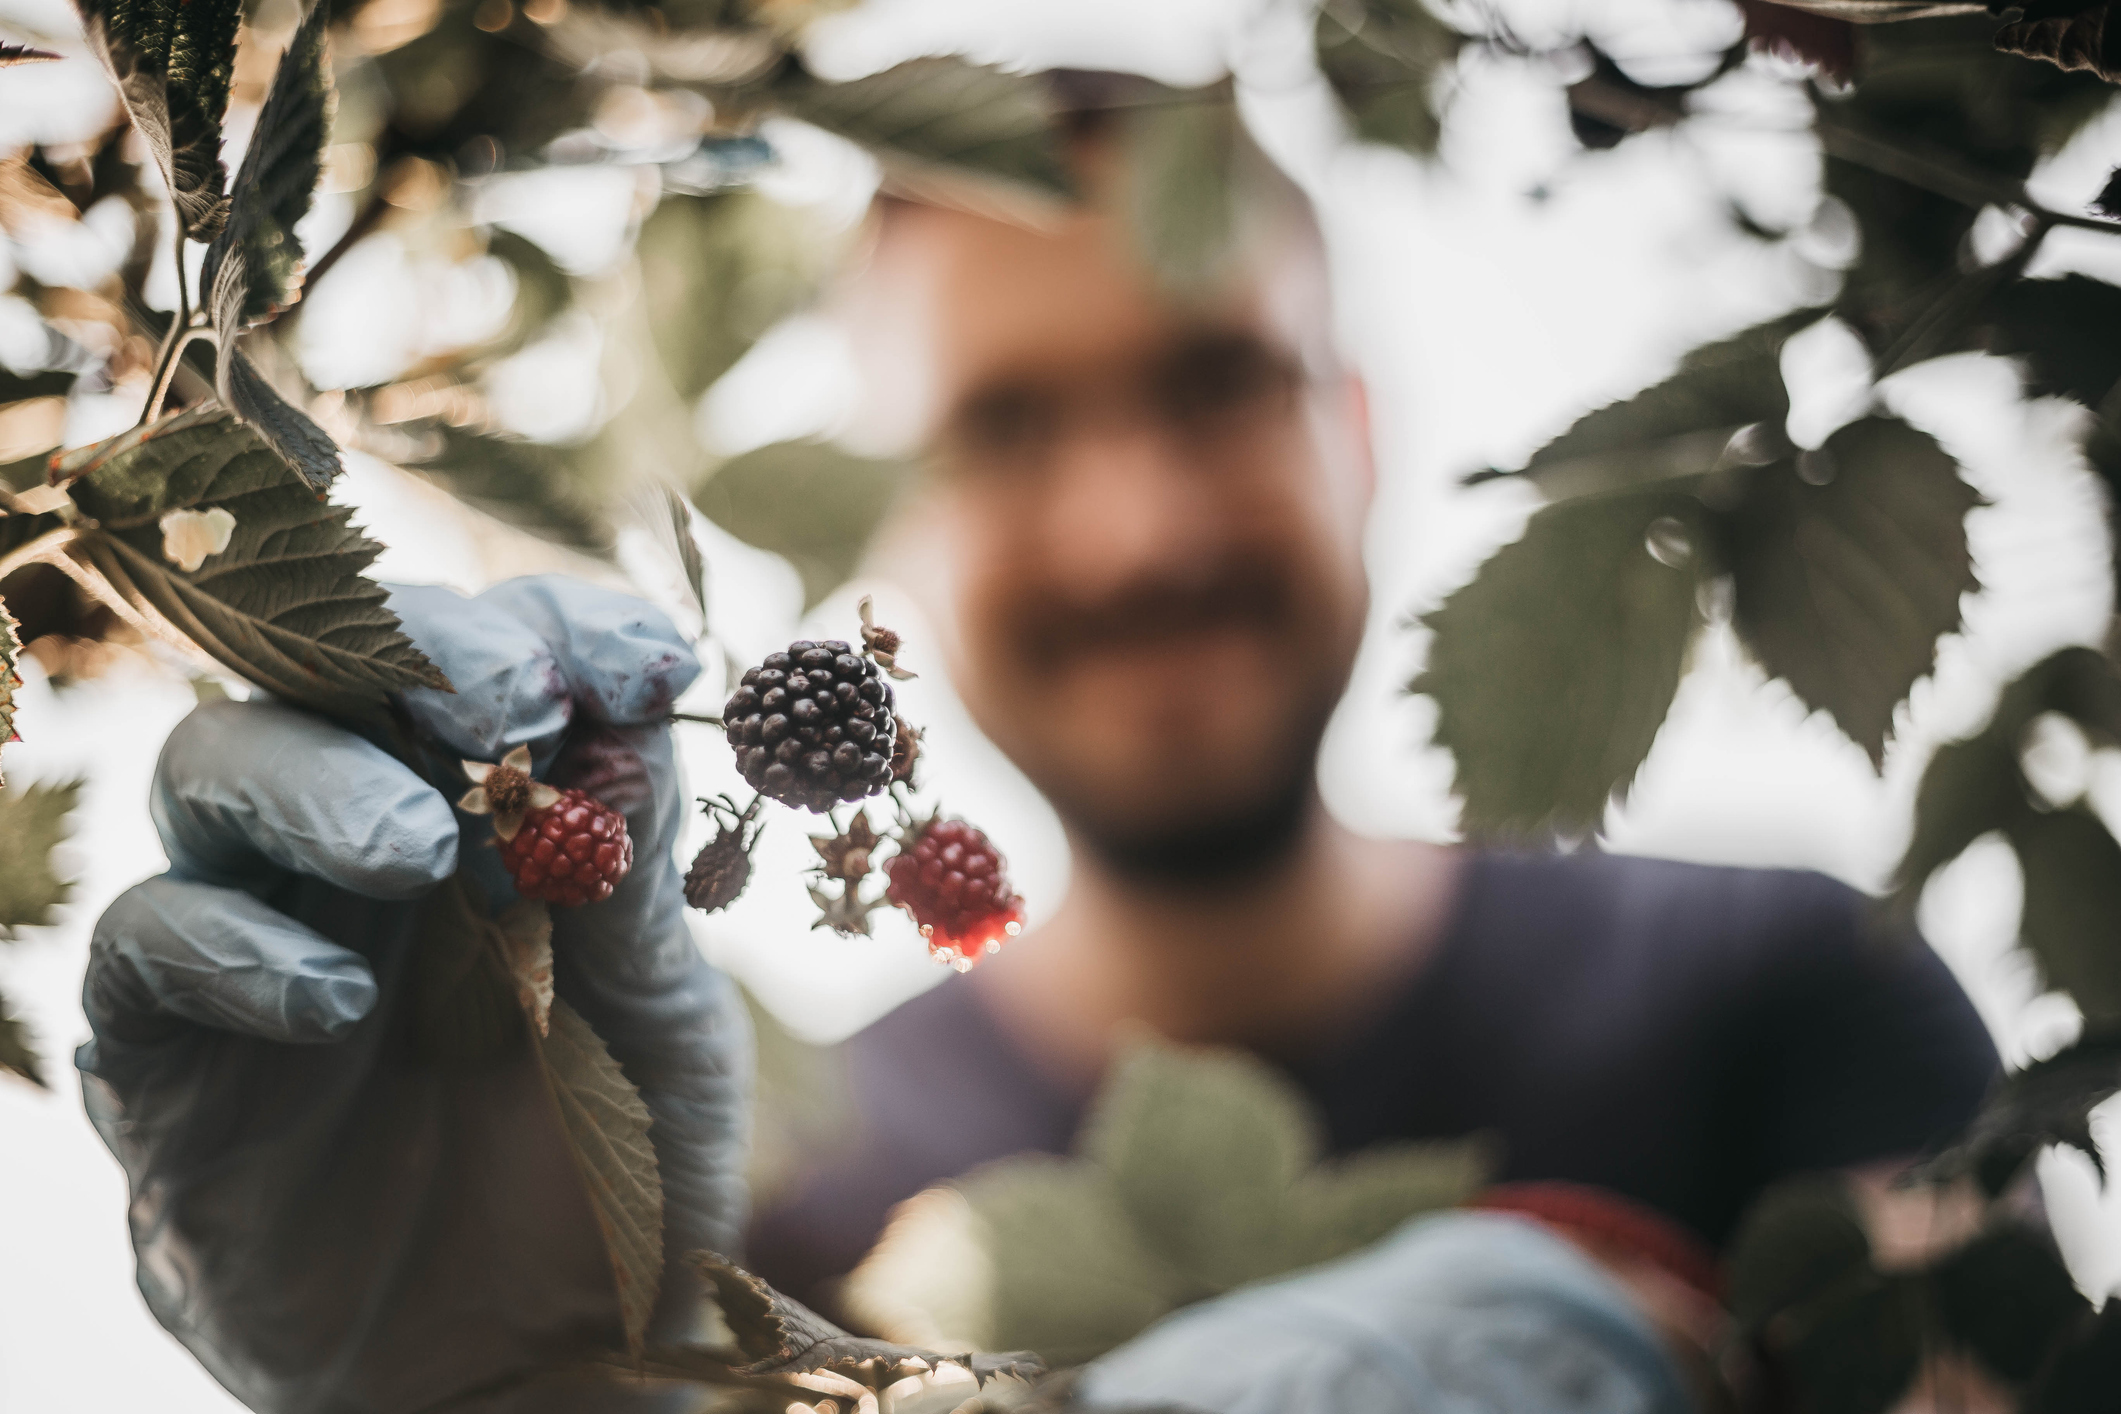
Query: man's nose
x,y
1124,505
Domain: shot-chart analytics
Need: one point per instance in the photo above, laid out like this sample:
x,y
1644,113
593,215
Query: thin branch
x,y
180,337
1933,328
365,221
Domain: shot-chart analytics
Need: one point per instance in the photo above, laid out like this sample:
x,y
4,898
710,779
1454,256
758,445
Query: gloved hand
x,y
326,1216
1456,1313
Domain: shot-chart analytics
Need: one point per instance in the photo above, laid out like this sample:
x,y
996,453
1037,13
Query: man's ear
x,y
1364,452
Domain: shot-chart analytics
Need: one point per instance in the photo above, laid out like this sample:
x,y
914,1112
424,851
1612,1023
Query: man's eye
x,y
1220,382
1005,426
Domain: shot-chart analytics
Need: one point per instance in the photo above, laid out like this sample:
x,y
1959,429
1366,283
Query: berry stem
x,y
701,718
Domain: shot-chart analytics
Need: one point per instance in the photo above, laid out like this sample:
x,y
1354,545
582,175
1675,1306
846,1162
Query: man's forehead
x,y
952,300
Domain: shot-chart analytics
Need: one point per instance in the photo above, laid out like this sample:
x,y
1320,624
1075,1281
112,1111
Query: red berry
x,y
953,881
574,851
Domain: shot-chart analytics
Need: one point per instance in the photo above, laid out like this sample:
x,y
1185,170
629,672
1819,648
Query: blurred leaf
x,y
2048,1102
1827,43
1685,424
32,823
702,51
2008,1298
1802,1284
606,1126
18,1051
1382,58
252,270
779,1335
1937,89
1554,668
2072,915
940,112
10,657
1202,1149
457,84
306,448
2082,684
1068,1273
679,513
2068,331
1184,150
723,270
1608,105
2083,1374
1878,11
2084,39
549,491
173,61
285,605
13,54
20,387
1969,788
1844,588
802,1101
1197,1171
808,501
543,290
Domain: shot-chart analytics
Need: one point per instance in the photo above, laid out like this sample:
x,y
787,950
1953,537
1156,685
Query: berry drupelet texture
x,y
572,852
813,727
954,882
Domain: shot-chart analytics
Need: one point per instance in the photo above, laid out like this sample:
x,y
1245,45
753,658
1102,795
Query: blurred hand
x,y
328,1219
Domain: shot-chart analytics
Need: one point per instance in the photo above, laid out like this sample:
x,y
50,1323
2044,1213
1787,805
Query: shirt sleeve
x,y
1876,1051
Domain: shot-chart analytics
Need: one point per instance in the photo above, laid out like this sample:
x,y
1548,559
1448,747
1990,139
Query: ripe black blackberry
x,y
813,726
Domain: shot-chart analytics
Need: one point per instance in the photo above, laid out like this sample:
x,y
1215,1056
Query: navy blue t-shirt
x,y
1678,1034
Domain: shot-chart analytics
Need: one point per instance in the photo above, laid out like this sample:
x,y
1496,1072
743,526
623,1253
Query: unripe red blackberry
x,y
812,727
954,882
564,847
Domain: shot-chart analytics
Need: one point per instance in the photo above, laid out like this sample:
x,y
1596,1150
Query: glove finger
x,y
510,690
175,948
246,786
626,662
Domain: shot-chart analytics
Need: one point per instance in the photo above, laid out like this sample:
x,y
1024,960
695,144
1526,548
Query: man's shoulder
x,y
1638,903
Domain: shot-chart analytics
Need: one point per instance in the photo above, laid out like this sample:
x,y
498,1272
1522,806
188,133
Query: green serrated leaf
x,y
941,113
1185,152
2007,1297
546,490
1382,59
18,1049
1843,588
2071,921
32,824
288,430
808,501
1684,425
173,64
724,269
1346,1204
606,1125
1554,668
252,269
285,605
2048,1102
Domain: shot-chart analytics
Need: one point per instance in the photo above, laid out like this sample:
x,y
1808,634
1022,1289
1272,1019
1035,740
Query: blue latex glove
x,y
1461,1313
328,1220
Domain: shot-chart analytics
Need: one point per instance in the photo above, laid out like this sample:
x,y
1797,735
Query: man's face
x,y
1149,513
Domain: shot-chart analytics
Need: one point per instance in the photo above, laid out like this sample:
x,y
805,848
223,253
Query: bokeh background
x,y
1489,297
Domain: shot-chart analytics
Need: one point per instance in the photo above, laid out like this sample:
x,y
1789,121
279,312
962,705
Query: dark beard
x,y
1199,854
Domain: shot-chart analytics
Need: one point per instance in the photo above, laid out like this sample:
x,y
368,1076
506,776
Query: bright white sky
x,y
1485,319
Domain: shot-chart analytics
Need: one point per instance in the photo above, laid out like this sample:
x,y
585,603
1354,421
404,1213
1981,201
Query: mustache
x,y
1151,611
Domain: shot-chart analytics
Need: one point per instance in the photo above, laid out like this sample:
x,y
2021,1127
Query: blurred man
x,y
1147,516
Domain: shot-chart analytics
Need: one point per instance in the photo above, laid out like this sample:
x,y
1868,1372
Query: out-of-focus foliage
x,y
1382,59
1849,1336
1196,1172
32,823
